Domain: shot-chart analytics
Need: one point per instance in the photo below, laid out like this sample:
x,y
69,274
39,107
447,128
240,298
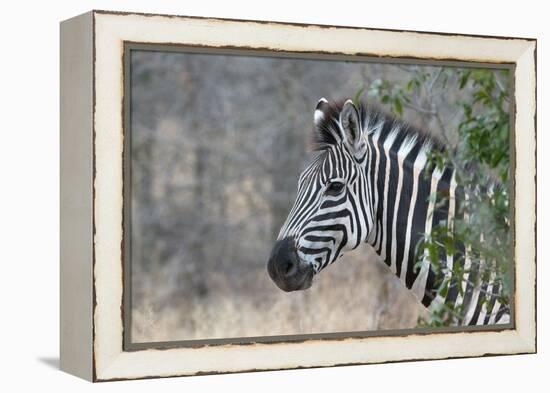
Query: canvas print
x,y
282,196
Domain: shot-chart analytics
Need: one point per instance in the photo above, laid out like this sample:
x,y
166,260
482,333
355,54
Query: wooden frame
x,y
92,194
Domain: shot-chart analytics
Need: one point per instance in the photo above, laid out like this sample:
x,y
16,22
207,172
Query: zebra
x,y
371,183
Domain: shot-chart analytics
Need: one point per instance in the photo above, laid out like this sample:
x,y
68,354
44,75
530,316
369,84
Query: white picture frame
x,y
92,194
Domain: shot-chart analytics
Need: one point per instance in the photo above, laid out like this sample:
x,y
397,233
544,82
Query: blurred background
x,y
218,143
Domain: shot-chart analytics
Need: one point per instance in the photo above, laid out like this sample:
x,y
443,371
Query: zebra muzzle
x,y
286,269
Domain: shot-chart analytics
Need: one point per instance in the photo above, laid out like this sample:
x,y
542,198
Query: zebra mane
x,y
373,119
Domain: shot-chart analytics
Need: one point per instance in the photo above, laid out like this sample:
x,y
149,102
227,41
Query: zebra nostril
x,y
289,268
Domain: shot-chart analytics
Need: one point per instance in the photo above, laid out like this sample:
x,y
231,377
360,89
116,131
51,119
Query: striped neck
x,y
401,185
401,188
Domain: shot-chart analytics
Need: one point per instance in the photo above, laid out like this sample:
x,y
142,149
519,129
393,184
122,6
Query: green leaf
x,y
398,108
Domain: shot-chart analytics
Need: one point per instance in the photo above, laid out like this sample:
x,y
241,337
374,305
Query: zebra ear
x,y
326,131
351,125
320,111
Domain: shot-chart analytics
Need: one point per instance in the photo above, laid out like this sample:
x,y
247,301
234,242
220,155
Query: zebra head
x,y
331,213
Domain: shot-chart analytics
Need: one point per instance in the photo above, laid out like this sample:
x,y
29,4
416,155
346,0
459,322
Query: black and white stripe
x,y
371,183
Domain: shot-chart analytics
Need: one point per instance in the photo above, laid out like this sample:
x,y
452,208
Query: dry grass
x,y
358,293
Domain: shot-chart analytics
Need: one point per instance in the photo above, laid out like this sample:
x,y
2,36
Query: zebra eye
x,y
335,188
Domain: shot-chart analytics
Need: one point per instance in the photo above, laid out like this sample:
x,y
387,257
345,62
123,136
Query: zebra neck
x,y
403,211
